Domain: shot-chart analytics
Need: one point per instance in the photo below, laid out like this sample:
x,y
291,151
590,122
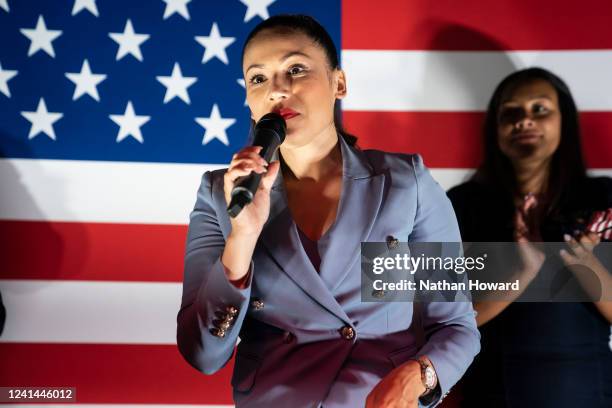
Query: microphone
x,y
269,134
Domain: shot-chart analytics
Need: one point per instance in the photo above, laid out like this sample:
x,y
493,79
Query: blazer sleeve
x,y
208,297
452,337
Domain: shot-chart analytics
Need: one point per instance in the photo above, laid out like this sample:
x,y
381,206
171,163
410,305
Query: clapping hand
x,y
526,232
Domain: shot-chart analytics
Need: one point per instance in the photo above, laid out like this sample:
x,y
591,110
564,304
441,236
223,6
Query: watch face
x,y
430,377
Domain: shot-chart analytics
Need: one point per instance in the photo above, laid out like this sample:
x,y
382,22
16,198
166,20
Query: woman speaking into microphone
x,y
283,274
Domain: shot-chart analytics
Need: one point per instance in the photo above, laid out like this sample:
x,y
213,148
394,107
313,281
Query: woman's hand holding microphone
x,y
252,218
247,225
247,185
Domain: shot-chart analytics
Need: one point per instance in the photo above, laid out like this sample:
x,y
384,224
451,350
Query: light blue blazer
x,y
294,323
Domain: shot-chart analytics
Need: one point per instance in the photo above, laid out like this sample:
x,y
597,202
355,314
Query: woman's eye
x,y
256,79
540,109
296,70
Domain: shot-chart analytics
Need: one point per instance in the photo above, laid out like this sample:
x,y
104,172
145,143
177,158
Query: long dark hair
x,y
310,27
567,168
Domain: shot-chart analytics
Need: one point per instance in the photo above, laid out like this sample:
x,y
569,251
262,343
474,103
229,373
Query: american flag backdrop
x,y
111,110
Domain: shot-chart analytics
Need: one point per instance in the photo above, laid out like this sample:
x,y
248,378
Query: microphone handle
x,y
246,187
268,150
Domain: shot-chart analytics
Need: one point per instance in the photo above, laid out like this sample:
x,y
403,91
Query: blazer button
x,y
347,332
223,317
231,311
392,242
217,332
222,324
257,304
378,294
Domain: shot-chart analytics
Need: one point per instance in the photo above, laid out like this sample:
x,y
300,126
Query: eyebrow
x,y
530,98
283,58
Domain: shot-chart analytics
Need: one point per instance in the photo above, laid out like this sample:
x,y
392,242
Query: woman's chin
x,y
293,138
527,151
292,133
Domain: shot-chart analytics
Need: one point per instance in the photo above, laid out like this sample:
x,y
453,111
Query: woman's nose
x,y
279,88
524,123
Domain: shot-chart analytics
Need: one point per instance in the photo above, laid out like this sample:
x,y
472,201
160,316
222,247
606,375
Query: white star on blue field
x,y
127,80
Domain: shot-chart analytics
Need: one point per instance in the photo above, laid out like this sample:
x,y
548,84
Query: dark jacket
x,y
537,354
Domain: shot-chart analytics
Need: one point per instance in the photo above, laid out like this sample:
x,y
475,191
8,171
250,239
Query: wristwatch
x,y
428,375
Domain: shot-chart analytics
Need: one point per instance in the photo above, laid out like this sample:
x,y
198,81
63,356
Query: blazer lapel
x,y
280,237
360,200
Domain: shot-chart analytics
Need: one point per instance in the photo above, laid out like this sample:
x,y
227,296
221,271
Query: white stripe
x,y
448,178
98,191
601,172
90,312
119,192
381,80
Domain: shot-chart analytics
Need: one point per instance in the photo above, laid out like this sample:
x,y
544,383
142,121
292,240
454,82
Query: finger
x,y
594,237
520,228
568,259
268,179
589,241
529,202
520,238
255,165
244,169
252,149
575,246
239,171
519,220
248,155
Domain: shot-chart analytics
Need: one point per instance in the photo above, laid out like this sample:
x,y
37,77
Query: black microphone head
x,y
274,123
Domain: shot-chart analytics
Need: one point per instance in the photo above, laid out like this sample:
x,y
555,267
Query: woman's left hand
x,y
401,388
581,252
582,259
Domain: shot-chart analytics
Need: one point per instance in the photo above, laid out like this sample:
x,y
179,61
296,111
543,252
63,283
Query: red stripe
x,y
443,139
453,139
597,138
92,251
476,25
131,374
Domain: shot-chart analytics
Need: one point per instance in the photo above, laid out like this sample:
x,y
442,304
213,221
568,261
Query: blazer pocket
x,y
400,356
245,371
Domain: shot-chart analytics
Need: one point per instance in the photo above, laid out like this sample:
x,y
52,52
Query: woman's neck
x,y
313,161
531,177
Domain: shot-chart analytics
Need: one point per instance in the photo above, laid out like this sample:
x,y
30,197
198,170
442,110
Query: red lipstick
x,y
287,113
